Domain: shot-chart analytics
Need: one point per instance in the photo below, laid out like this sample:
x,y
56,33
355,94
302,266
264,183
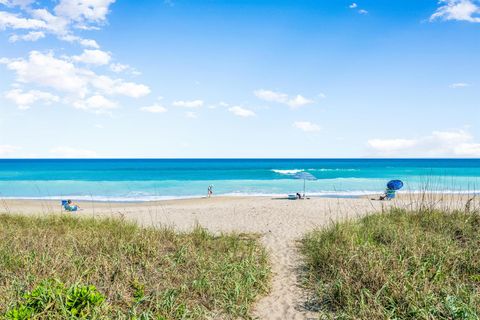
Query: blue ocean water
x,y
155,179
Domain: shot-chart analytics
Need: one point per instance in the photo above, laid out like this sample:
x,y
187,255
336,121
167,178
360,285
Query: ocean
x,y
158,179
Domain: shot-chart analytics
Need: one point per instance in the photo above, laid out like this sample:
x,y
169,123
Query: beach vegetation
x,y
65,267
396,265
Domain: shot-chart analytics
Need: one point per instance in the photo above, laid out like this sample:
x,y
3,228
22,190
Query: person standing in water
x,y
210,191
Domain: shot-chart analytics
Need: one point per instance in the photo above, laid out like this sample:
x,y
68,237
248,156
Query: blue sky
x,y
106,78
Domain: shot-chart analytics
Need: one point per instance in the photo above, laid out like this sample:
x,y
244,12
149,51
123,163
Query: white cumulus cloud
x,y
306,126
45,70
94,57
283,98
24,100
460,10
455,143
241,112
15,21
84,10
31,36
96,104
66,17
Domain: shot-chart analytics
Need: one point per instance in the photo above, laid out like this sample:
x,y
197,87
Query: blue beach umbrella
x,y
395,185
305,176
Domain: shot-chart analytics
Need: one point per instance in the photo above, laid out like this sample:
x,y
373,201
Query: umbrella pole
x,y
304,187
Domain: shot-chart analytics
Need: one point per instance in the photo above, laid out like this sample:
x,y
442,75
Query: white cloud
x,y
188,104
68,152
299,101
72,76
15,21
24,100
460,10
130,89
7,150
68,15
156,108
459,85
31,36
45,70
355,6
456,143
53,24
241,112
94,57
306,126
13,3
96,104
283,98
271,96
118,67
84,10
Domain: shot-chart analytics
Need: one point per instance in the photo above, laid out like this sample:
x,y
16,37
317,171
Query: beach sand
x,y
280,222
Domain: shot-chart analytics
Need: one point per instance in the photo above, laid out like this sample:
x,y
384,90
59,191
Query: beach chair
x,y
68,207
390,194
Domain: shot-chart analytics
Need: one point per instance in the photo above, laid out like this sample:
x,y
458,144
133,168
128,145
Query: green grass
x,y
396,265
60,267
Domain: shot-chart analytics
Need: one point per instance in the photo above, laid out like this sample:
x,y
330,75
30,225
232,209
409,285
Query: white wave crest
x,y
289,172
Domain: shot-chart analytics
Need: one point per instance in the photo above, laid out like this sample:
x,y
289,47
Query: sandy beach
x,y
279,222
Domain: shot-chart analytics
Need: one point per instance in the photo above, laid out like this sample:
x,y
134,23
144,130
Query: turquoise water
x,y
143,180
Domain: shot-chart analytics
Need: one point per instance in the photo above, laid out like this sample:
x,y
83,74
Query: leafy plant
x,y
52,298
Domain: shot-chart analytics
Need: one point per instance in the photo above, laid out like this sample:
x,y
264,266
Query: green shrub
x,y
51,299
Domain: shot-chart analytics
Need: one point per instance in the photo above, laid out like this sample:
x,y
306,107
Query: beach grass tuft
x,y
396,265
60,267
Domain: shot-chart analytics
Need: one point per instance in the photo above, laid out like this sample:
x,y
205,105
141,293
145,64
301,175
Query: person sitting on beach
x,y
70,206
299,196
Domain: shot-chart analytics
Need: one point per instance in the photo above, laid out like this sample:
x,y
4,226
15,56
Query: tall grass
x,y
396,265
129,271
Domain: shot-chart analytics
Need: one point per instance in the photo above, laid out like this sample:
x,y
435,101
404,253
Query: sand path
x,y
281,223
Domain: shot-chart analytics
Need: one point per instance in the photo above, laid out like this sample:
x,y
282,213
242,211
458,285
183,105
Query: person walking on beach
x,y
210,191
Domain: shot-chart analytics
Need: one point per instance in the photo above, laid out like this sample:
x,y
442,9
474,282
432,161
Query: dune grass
x,y
60,267
396,265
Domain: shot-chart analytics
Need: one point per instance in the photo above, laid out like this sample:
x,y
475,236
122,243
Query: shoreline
x,y
160,199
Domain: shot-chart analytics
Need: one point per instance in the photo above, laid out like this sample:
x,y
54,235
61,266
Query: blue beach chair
x,y
390,194
68,207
